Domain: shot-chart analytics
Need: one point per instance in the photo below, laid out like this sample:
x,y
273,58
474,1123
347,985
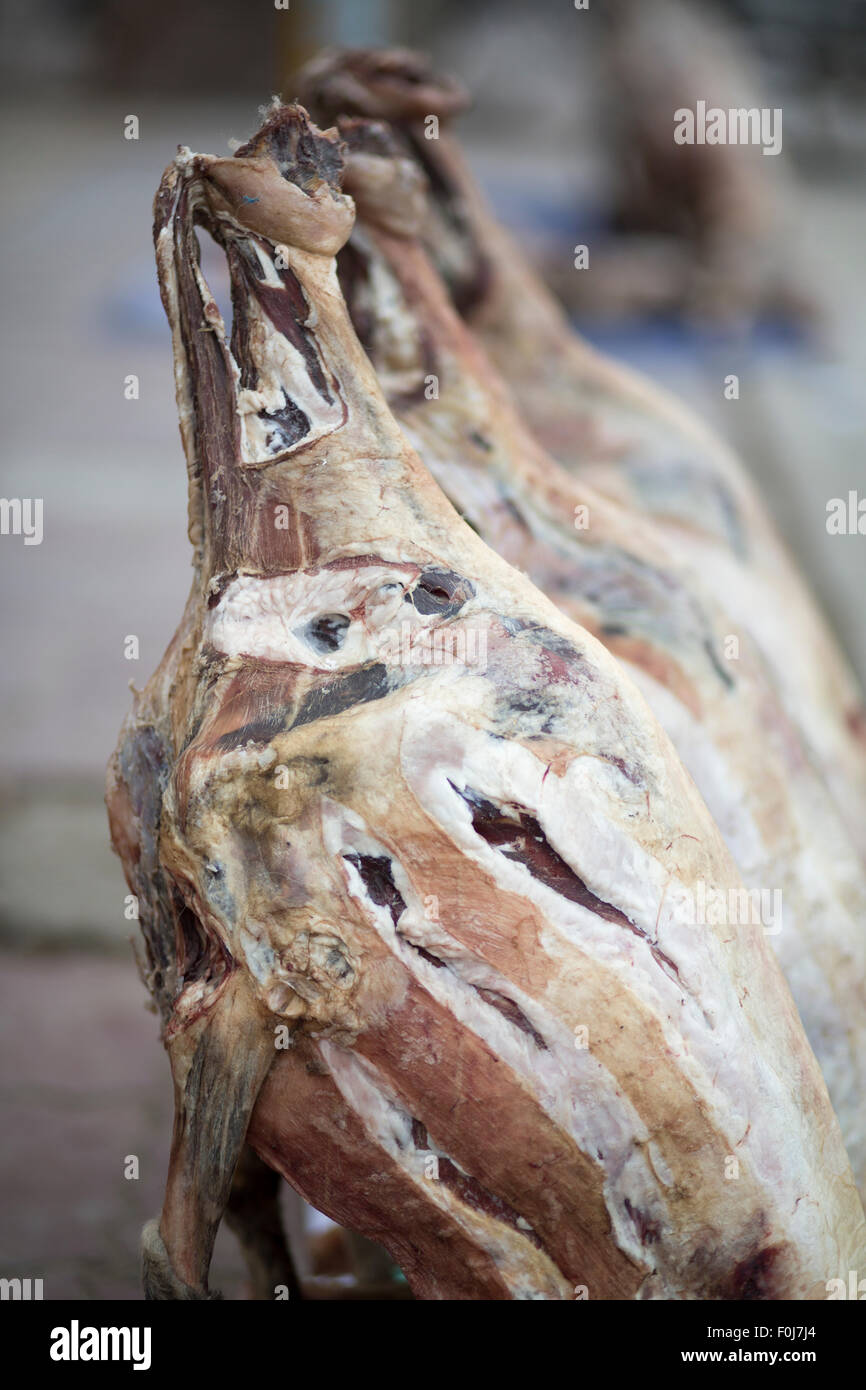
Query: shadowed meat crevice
x,y
290,424
375,872
200,957
648,1230
329,696
518,836
428,955
755,1277
257,731
469,275
470,1191
440,592
285,305
512,1012
327,632
342,692
353,273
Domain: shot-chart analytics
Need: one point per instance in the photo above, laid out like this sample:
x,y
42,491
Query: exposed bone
x,y
455,886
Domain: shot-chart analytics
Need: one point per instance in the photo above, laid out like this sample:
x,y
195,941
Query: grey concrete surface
x,y
84,1085
59,879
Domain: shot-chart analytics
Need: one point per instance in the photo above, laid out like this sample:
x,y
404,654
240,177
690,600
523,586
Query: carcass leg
x,y
253,1214
218,1064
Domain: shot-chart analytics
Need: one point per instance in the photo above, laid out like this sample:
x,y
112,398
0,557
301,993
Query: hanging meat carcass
x,y
416,927
615,429
613,573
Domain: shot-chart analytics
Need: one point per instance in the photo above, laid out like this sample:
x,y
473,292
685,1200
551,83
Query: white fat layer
x,y
571,1086
479,493
528,1273
267,618
733,1069
270,619
475,492
398,358
817,876
283,375
730,1064
271,276
725,795
752,600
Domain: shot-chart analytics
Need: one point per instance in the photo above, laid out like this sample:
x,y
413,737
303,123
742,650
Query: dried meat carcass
x,y
613,574
615,429
453,886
